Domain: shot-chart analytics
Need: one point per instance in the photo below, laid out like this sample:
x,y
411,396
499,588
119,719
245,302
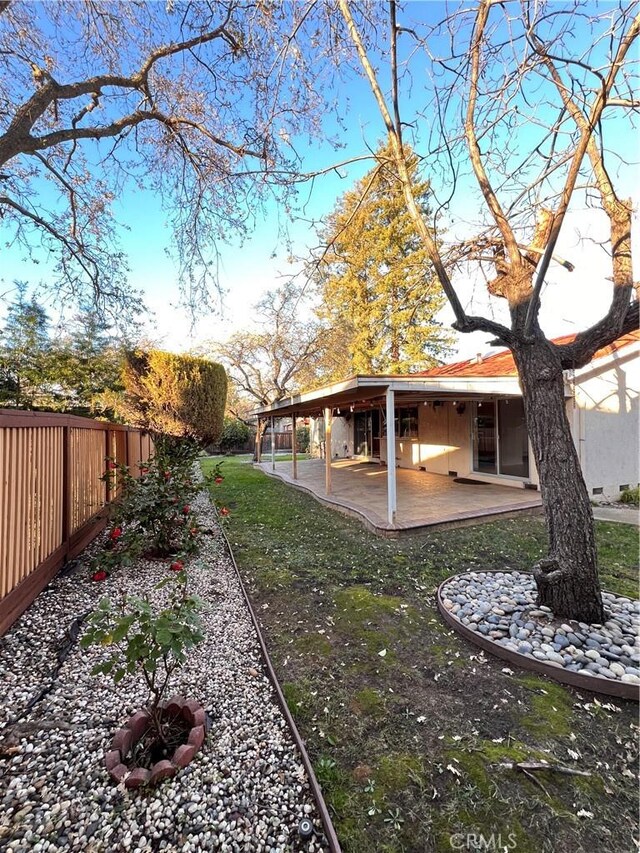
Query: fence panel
x,y
52,497
282,441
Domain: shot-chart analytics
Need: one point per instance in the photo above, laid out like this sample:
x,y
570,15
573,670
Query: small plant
x,y
394,818
215,476
152,642
631,496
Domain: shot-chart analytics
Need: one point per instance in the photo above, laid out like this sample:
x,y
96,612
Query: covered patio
x,y
423,500
436,480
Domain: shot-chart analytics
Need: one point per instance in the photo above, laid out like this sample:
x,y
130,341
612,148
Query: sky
x,y
570,301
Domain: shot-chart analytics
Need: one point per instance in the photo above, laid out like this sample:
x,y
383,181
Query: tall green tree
x,y
87,361
379,293
25,354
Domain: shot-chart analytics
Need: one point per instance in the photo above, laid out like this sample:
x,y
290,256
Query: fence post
x,y
66,487
107,455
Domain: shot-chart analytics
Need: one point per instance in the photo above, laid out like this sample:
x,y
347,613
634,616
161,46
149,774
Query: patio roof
x,y
361,391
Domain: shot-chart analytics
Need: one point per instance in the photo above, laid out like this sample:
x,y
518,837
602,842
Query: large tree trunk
x,y
568,580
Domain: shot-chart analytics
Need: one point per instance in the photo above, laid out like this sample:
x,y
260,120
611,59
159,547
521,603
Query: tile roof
x,y
501,363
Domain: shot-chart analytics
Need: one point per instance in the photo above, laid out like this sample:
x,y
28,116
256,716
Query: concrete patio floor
x,y
424,500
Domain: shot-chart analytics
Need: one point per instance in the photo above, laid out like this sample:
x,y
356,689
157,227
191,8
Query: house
x,y
466,420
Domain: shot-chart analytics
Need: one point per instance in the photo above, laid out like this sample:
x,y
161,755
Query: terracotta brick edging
x,y
125,738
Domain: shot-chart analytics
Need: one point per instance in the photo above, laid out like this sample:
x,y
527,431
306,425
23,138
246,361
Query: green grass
x,y
383,730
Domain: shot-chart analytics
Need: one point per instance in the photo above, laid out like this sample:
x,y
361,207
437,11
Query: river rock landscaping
x,y
245,790
501,606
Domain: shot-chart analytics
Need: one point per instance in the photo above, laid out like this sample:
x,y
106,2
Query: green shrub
x,y
302,439
153,515
631,496
175,395
235,435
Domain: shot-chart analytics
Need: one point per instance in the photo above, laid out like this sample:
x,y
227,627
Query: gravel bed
x,y
246,790
501,606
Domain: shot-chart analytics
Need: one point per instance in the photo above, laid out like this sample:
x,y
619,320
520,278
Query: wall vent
x,y
598,491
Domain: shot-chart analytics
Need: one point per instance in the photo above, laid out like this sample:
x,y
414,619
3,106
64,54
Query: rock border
x,y
592,684
124,739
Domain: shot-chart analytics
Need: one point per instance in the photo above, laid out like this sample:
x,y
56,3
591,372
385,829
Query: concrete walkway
x,y
619,514
424,500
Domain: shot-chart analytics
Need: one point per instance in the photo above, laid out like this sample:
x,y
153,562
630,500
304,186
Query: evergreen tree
x,y
25,355
379,293
88,362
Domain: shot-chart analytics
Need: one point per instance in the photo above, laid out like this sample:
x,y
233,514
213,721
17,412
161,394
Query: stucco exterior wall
x,y
604,417
341,437
443,442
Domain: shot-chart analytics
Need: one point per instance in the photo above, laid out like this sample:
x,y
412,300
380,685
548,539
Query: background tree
x,y
379,295
25,355
63,369
281,356
196,101
173,395
527,104
87,362
235,435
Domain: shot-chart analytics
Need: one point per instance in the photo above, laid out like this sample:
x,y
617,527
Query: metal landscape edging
x,y
327,824
593,684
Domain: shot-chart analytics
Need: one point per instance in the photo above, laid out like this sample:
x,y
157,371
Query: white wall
x,y
605,423
341,437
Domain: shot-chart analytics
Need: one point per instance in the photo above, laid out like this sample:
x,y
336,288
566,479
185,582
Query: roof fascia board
x,y
484,384
351,384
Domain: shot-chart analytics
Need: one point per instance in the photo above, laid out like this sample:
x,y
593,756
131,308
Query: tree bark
x,y
567,580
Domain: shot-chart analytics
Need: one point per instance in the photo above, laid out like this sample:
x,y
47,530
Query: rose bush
x,y
153,515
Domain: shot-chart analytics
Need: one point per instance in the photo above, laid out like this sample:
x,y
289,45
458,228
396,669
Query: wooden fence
x,y
52,497
283,441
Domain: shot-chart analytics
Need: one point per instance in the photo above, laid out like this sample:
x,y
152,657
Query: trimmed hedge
x,y
177,395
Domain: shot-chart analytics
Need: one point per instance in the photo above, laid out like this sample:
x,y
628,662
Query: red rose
x,y
218,480
186,509
100,575
177,566
167,474
144,470
116,533
224,511
111,466
193,531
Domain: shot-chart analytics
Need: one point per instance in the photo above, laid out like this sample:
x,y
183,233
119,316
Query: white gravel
x,y
246,790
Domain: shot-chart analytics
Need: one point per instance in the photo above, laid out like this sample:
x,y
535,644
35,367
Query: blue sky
x,y
249,269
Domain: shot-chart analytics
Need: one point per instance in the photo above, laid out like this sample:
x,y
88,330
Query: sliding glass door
x,y
485,440
499,440
367,433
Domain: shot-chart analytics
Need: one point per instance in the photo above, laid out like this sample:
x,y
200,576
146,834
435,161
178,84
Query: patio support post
x,y
273,445
327,450
392,503
259,442
294,457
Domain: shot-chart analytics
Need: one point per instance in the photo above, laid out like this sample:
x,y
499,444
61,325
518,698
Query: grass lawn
x,y
408,746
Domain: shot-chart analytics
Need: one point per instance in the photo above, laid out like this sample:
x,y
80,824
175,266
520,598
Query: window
x,y
407,422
